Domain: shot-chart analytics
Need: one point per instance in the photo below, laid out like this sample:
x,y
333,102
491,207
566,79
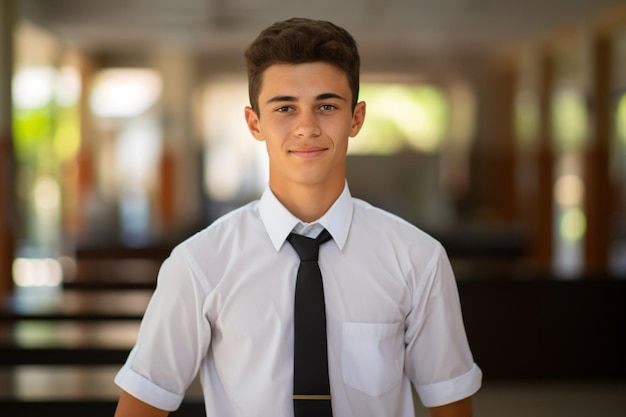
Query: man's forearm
x,y
129,406
462,408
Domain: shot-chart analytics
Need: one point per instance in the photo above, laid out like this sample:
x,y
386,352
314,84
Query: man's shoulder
x,y
386,223
374,213
236,216
225,227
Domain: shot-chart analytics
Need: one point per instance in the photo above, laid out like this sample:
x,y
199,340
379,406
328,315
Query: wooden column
x,y
534,156
504,197
542,235
7,159
178,199
596,173
493,153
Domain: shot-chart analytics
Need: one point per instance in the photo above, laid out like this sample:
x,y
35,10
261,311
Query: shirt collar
x,y
279,222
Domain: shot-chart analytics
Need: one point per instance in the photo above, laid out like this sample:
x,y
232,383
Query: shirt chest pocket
x,y
372,356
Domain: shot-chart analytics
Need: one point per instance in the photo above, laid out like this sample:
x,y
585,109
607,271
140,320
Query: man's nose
x,y
307,124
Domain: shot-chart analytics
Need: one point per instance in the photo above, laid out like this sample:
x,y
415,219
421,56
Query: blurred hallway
x,y
497,127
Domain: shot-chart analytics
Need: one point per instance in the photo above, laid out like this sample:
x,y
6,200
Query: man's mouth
x,y
307,152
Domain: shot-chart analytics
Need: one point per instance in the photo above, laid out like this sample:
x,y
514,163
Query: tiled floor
x,y
551,399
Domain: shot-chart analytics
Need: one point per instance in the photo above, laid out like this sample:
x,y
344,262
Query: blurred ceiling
x,y
229,25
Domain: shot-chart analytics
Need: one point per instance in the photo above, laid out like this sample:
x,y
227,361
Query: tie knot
x,y
306,247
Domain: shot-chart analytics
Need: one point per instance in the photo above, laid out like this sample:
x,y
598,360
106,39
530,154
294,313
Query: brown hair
x,y
298,41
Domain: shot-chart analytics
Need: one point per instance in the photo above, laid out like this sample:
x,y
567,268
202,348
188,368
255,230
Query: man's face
x,y
305,118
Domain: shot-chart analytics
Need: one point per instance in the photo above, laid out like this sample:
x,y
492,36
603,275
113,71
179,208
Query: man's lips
x,y
307,152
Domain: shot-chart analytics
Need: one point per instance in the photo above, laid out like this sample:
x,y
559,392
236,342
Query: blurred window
x,y
235,163
125,92
46,134
618,171
620,120
526,117
569,119
126,106
402,116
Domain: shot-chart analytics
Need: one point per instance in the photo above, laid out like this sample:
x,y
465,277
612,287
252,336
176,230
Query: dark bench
x,y
545,328
73,327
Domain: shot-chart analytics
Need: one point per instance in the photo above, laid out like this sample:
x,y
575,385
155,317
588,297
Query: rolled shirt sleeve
x,y
438,359
173,337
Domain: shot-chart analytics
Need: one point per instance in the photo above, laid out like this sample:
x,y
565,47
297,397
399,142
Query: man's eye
x,y
284,109
327,107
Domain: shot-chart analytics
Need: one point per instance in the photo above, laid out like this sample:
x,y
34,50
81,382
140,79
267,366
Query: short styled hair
x,y
298,41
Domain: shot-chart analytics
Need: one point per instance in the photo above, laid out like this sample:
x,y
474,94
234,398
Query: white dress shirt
x,y
223,307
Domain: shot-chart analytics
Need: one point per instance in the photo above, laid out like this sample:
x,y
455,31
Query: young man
x,y
224,303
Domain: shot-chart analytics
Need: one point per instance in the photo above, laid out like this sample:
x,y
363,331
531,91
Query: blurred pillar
x,y
597,158
505,77
596,173
535,155
542,234
179,177
493,153
531,77
7,159
85,158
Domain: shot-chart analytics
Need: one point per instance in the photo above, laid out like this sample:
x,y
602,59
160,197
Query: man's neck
x,y
308,202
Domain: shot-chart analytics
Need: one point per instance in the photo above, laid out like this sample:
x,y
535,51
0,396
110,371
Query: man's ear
x,y
253,122
358,117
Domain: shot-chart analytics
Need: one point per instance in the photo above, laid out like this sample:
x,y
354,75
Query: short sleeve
x,y
173,338
438,359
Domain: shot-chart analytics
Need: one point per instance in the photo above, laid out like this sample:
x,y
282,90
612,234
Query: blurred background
x,y
499,127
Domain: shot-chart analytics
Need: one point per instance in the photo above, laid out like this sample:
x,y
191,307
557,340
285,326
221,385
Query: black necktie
x,y
311,389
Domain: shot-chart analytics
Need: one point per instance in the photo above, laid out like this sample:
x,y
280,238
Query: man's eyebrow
x,y
278,99
327,96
